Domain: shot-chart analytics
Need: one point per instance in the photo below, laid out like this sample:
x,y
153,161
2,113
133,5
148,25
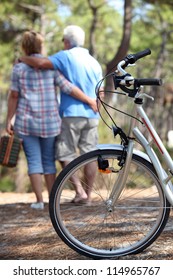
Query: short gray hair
x,y
75,35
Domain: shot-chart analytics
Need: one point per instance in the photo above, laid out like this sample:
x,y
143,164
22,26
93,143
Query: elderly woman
x,y
33,101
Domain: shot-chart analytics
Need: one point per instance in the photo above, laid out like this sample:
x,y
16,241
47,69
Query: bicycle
x,y
131,193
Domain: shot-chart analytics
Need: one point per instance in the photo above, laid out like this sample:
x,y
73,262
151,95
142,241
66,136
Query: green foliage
x,y
152,25
7,184
43,16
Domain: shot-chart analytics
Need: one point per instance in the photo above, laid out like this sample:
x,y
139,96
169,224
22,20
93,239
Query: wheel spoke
x,y
98,231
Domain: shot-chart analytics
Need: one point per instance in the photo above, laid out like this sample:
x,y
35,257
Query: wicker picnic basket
x,y
10,147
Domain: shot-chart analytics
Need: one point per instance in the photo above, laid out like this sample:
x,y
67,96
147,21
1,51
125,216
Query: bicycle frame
x,y
164,178
162,175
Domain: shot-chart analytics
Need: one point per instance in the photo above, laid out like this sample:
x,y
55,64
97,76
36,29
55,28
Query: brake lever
x,y
141,95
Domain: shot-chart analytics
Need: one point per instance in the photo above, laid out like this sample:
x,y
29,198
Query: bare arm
x,y
80,95
70,89
37,62
12,105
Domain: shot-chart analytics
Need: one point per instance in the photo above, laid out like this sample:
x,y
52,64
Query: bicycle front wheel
x,y
137,218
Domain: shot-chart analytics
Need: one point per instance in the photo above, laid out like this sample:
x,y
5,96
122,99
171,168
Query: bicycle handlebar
x,y
126,80
132,58
148,82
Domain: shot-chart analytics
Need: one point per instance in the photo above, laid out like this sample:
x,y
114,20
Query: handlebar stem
x,y
119,67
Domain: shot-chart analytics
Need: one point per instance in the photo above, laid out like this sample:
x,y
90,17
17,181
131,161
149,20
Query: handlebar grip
x,y
148,82
132,58
142,54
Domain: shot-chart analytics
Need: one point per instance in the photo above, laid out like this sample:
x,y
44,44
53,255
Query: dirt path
x,y
26,234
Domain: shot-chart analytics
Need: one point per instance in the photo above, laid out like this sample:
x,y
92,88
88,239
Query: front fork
x,y
122,177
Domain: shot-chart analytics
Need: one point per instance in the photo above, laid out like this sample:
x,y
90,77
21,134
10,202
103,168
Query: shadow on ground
x,y
27,234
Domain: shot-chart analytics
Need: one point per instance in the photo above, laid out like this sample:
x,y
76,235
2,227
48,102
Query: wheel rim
x,y
135,219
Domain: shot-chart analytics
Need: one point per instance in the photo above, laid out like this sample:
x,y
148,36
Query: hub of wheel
x,y
109,205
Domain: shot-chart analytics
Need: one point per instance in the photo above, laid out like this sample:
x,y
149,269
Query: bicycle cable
x,y
104,104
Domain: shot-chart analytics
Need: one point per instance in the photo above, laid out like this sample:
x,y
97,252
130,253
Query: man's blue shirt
x,y
82,70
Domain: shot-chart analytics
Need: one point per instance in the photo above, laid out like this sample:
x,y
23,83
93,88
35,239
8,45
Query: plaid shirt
x,y
38,109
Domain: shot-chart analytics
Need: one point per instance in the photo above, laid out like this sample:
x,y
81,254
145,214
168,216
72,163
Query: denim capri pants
x,y
40,154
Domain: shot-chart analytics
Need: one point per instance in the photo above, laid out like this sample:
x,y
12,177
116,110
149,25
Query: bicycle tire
x,y
138,217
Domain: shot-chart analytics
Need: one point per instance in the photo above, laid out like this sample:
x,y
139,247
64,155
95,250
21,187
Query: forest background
x,y
113,29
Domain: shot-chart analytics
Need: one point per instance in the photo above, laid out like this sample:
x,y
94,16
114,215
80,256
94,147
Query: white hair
x,y
75,35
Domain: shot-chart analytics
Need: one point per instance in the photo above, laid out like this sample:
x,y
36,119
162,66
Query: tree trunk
x,y
159,110
94,11
122,50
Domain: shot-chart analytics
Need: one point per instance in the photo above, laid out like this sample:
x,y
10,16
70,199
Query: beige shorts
x,y
78,136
